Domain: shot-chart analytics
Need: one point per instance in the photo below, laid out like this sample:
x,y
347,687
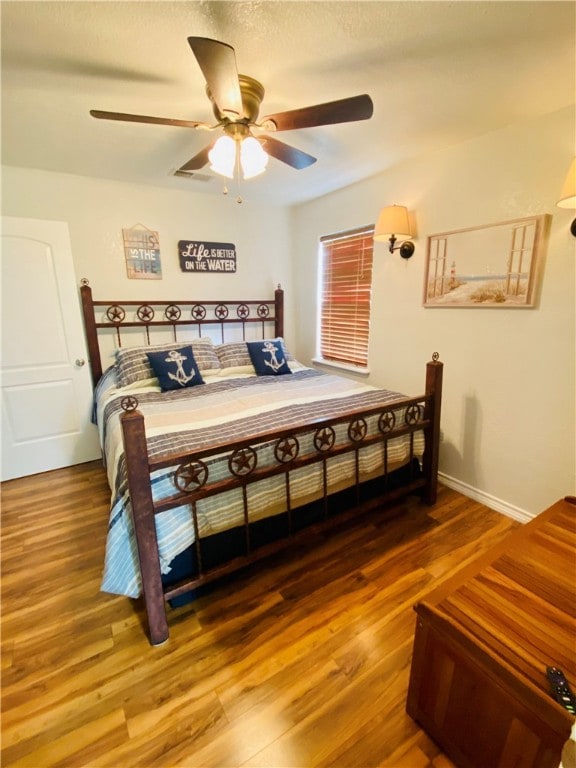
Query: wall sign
x,y
200,256
142,253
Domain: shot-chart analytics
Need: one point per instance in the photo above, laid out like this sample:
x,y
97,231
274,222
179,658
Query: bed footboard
x,y
345,436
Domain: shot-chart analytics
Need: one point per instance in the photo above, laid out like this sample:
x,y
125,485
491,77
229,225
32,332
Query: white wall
x,y
509,389
97,210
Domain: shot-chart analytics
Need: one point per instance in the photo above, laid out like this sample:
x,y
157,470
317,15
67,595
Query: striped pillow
x,y
132,364
233,354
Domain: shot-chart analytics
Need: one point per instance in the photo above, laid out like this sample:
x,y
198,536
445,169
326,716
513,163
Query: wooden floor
x,y
303,661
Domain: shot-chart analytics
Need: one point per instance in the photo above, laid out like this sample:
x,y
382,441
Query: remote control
x,y
560,689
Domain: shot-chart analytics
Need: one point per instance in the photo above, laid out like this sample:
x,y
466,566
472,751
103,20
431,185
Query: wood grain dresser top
x,y
518,601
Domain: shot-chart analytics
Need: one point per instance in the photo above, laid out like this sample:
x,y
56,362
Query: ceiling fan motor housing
x,y
252,93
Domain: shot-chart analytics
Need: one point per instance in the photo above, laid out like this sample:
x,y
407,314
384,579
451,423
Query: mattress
x,y
231,405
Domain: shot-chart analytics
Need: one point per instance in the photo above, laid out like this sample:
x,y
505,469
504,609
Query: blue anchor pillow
x,y
268,357
175,368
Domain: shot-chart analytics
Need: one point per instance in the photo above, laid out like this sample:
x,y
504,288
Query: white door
x,y
46,383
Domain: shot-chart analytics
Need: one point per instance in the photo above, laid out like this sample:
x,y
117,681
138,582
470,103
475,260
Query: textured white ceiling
x,y
438,72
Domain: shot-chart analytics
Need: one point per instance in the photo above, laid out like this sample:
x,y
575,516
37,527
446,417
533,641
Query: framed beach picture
x,y
496,265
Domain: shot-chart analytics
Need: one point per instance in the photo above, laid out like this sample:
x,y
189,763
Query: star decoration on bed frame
x,y
243,461
357,430
286,449
145,313
191,476
172,312
387,421
115,313
198,312
243,311
324,439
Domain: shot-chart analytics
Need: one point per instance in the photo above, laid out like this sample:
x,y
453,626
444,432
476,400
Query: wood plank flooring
x,y
301,661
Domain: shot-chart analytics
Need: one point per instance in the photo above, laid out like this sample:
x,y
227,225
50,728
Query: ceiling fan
x,y
236,103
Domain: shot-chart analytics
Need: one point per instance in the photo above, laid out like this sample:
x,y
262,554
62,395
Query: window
x,y
346,292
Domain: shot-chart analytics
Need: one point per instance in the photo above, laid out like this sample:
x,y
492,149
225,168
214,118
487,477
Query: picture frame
x,y
142,253
490,266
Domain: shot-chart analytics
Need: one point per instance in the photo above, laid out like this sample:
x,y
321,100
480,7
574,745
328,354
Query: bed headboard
x,y
117,323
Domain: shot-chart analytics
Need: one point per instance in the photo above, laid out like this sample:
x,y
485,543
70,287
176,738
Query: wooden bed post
x,y
138,472
279,312
434,371
91,332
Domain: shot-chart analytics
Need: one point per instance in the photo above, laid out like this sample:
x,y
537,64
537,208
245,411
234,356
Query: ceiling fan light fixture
x,y
253,158
236,103
222,157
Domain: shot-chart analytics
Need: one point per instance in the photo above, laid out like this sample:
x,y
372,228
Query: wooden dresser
x,y
483,641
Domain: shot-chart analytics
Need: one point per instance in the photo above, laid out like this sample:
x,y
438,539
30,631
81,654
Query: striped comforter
x,y
227,407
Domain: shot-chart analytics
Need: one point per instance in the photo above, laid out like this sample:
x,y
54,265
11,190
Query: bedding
x,y
234,403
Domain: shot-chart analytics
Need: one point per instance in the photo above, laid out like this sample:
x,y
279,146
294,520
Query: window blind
x,y
346,286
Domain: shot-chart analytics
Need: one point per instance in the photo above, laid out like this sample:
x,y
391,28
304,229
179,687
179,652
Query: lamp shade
x,y
393,220
568,194
222,156
253,158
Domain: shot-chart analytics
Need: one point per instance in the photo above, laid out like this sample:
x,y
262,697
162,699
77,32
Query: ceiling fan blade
x,y
342,111
199,160
218,64
145,119
287,154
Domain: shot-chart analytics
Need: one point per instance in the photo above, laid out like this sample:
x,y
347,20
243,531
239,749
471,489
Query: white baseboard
x,y
485,498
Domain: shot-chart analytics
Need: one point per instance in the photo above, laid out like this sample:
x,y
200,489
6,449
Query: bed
x,y
221,449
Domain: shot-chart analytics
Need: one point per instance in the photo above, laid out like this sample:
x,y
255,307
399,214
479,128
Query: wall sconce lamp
x,y
392,225
568,194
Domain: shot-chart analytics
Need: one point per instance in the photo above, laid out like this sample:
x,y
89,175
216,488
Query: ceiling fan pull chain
x,y
238,175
